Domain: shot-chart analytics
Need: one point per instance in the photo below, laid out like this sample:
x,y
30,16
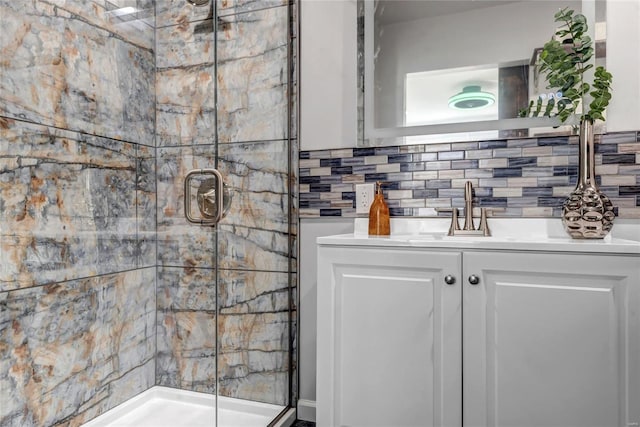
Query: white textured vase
x,y
587,213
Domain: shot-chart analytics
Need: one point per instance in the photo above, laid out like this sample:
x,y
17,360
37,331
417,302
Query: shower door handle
x,y
210,196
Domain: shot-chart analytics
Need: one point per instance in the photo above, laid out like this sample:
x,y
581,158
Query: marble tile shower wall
x,y
525,177
252,243
77,210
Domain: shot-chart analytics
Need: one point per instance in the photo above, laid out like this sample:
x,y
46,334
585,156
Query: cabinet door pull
x,y
474,280
449,279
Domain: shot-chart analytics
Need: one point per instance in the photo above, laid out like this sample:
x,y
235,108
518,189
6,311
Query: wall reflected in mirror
x,y
439,71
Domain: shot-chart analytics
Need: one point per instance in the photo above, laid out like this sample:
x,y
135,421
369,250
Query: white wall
x,y
328,83
623,61
329,120
310,230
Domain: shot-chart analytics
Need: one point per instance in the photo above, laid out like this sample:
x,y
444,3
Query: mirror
x,y
439,71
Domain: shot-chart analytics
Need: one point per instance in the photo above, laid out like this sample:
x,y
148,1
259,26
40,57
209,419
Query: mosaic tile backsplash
x,y
528,177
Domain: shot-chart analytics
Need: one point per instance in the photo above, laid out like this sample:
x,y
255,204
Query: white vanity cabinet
x,y
551,339
389,343
516,339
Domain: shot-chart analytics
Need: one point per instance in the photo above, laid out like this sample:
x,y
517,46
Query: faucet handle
x,y
455,226
484,226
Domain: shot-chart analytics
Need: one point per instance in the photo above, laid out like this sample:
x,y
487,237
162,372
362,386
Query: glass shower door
x,y
224,289
256,240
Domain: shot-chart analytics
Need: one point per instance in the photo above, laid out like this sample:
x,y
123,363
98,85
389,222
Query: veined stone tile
x,y
479,154
252,77
376,160
69,205
341,188
565,150
424,157
242,291
309,213
185,107
562,191
451,155
186,330
319,171
416,148
465,146
258,371
181,243
553,161
552,181
146,206
493,182
543,151
253,235
451,174
537,171
522,182
342,153
390,167
522,142
342,203
478,173
438,203
321,154
618,138
185,86
412,203
75,349
493,163
69,70
507,152
412,167
630,212
353,179
629,148
623,169
623,202
229,7
450,193
460,183
330,196
437,147
179,12
186,355
399,194
438,165
135,28
309,163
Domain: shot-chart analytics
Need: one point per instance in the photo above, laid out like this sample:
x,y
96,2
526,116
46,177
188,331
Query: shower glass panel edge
x,y
253,244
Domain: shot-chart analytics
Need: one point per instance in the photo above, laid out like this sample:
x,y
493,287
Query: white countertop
x,y
520,234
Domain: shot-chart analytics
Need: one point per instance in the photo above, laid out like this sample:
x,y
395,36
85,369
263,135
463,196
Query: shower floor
x,y
162,406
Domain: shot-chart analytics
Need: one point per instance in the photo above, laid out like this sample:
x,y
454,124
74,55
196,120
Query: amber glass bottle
x,y
379,214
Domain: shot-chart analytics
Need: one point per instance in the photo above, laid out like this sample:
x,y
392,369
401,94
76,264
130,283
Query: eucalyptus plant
x,y
564,64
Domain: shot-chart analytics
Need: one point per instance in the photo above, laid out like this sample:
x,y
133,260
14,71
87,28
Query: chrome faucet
x,y
469,228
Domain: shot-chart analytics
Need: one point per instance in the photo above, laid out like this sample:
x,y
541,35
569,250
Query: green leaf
x,y
564,66
549,107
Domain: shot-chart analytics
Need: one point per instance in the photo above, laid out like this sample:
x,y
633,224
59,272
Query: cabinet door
x,y
551,340
389,340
